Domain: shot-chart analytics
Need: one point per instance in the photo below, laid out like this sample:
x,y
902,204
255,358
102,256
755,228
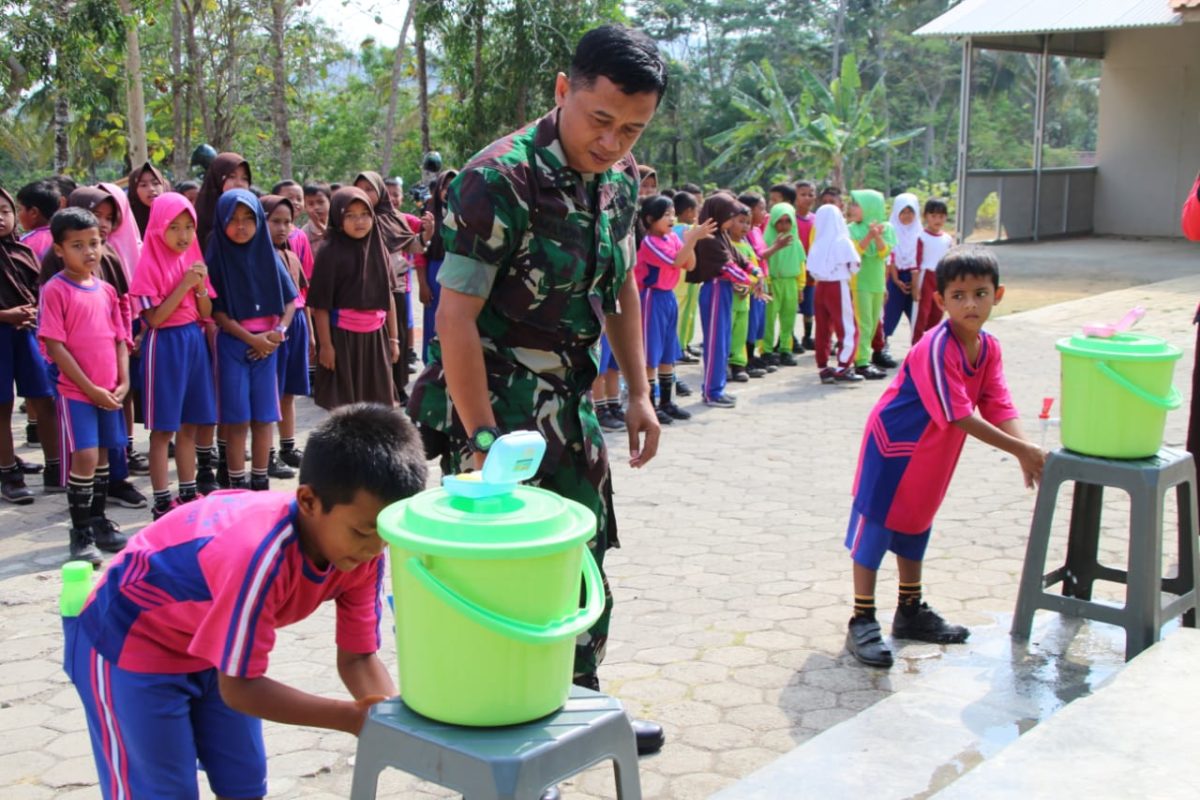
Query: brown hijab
x,y
111,269
18,267
350,273
213,187
397,236
436,251
141,211
713,254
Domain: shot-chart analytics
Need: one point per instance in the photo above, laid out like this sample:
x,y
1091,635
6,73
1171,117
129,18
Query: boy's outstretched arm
x,y
1008,437
269,699
364,675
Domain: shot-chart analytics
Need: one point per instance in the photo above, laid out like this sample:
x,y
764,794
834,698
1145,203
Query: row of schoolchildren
x,y
109,297
752,266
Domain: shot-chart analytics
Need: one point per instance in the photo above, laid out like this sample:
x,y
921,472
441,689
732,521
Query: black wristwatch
x,y
483,438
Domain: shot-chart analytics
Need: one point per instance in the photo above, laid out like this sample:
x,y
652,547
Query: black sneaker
x,y
740,375
688,358
31,435
756,372
871,372
864,640
618,413
771,360
125,494
883,359
675,411
52,480
278,469
27,467
139,464
721,401
828,375
107,535
206,481
160,510
663,417
808,343
788,360
260,484
14,490
291,456
83,547
692,350
682,389
848,375
927,626
797,347
608,421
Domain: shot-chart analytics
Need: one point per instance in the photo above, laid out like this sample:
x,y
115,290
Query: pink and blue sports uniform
x,y
657,276
202,590
911,444
87,318
39,240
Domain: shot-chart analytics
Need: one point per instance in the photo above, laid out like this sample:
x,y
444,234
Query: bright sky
x,y
354,20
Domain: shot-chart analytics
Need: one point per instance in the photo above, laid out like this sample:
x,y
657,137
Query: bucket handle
x,y
1169,403
549,633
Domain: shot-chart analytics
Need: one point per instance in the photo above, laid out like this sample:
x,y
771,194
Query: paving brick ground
x,y
732,586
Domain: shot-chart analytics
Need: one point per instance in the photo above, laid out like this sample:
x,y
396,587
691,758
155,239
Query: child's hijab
x,y
350,273
18,267
905,251
221,168
791,256
436,251
126,238
112,269
713,254
141,211
396,233
159,267
832,246
249,278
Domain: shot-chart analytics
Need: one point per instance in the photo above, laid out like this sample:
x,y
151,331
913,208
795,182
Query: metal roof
x,y
1006,17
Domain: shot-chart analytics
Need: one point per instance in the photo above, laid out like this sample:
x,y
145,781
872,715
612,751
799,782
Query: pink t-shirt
x,y
298,240
39,240
87,319
153,283
911,446
804,229
759,244
357,320
210,583
655,268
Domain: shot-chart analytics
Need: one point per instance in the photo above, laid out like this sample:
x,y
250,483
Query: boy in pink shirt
x,y
37,203
951,385
81,326
170,653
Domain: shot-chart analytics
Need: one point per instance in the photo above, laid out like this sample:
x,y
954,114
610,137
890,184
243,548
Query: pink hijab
x,y
160,267
124,238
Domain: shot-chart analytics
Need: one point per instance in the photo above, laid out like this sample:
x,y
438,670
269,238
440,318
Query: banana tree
x,y
834,128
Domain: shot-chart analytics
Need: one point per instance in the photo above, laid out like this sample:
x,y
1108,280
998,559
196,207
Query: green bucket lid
x,y
1120,347
526,523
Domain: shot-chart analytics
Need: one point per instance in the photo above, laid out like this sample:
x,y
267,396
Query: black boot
x,y
83,547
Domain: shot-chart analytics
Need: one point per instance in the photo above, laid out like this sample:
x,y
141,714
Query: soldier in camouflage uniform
x,y
539,239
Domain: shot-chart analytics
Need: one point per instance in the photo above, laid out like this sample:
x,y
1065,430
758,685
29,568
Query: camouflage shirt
x,y
549,249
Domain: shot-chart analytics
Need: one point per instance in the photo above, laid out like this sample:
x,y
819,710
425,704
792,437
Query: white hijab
x,y
833,255
905,251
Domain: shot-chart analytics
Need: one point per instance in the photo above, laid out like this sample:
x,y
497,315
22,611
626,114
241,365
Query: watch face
x,y
484,439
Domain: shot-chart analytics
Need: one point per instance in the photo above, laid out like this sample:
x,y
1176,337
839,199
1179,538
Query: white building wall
x,y
1149,135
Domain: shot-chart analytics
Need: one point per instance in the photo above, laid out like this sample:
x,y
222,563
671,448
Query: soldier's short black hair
x,y
316,188
43,196
364,446
936,205
785,190
283,184
187,186
967,259
71,219
626,56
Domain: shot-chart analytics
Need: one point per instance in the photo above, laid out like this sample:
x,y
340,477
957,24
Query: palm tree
x,y
834,127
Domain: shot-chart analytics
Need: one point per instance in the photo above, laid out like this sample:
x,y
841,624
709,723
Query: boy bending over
x,y
950,385
170,653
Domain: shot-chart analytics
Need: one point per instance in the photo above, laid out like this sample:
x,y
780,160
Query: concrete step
x,y
922,739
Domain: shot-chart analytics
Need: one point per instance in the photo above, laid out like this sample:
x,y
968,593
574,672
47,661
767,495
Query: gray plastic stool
x,y
1147,481
513,763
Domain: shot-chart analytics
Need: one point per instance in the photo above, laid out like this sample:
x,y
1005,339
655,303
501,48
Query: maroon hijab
x,y
713,254
397,236
350,273
141,211
18,266
211,190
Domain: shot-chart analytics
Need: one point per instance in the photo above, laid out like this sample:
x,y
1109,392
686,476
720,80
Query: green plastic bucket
x,y
1116,393
487,604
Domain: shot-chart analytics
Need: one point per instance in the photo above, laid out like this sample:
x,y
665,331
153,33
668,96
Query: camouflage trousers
x,y
587,484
